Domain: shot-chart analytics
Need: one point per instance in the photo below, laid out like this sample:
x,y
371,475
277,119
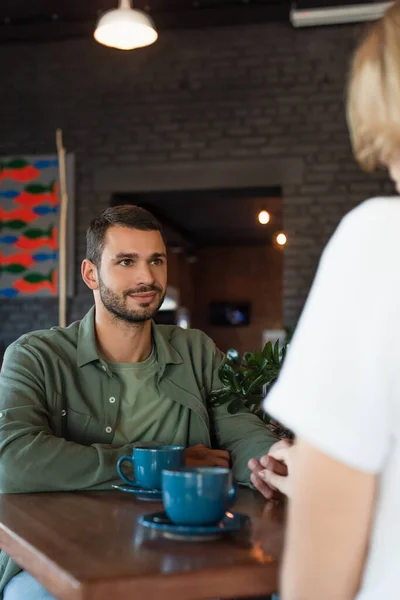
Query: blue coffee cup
x,y
197,495
148,463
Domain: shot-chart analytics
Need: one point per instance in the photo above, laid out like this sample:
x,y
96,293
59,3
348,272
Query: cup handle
x,y
232,494
119,469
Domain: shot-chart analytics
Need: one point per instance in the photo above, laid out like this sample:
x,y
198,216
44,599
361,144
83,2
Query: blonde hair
x,y
373,101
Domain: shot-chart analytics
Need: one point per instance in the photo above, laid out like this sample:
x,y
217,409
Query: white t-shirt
x,y
340,385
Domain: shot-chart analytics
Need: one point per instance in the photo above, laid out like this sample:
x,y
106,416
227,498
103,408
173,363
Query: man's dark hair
x,y
126,215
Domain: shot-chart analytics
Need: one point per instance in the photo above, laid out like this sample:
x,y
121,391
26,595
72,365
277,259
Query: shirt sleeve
x,y
32,458
337,384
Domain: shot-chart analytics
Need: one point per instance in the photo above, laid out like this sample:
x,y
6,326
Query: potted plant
x,y
247,380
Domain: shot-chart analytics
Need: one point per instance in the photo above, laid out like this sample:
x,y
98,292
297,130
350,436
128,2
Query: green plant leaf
x,y
233,356
227,375
246,381
235,405
222,396
256,398
221,392
267,352
276,353
246,356
270,385
239,376
259,382
255,360
254,401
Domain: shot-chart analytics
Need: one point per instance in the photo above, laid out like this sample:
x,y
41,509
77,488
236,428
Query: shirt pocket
x,y
76,426
68,423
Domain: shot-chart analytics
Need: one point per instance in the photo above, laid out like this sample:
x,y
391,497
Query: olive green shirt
x,y
60,403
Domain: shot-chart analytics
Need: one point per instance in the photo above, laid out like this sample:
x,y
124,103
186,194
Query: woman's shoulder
x,y
376,219
373,211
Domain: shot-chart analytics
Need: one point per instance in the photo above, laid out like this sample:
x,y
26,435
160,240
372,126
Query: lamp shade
x,y
125,28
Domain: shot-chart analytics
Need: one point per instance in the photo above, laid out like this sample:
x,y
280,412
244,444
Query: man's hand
x,y
201,456
272,472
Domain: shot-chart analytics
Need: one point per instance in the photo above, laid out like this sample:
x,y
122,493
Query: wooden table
x,y
89,546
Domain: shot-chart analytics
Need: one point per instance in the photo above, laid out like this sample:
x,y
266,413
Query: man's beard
x,y
115,304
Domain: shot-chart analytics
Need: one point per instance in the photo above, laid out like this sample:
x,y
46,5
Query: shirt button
x,y
63,413
1,414
108,429
112,399
104,368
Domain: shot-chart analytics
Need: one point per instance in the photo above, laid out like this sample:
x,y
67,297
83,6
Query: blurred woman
x,y
340,387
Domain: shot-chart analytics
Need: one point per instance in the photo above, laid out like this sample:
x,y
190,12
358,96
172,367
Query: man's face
x,y
132,277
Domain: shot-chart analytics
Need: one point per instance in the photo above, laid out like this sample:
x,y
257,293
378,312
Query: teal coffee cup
x,y
197,495
148,463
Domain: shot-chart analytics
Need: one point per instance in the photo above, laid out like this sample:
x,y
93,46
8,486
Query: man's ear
x,y
89,274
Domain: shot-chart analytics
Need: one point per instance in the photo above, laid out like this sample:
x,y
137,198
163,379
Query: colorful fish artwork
x,y
9,194
12,224
18,263
24,214
45,210
45,163
29,217
32,239
24,259
18,170
8,293
31,284
36,281
36,194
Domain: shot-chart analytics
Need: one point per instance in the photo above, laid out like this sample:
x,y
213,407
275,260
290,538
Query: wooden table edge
x,y
227,582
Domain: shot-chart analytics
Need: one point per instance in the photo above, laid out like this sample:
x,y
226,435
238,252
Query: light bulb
x,y
264,217
125,28
281,239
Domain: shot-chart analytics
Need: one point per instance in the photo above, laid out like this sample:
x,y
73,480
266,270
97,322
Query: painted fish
x,y
14,269
8,292
9,194
35,233
8,239
43,256
45,210
34,282
24,214
19,170
14,224
45,163
33,239
27,260
36,194
36,238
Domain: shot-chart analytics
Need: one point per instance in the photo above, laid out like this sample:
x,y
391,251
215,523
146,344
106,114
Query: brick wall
x,y
252,92
235,274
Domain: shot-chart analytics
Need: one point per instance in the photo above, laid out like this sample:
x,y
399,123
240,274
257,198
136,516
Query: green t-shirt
x,y
145,413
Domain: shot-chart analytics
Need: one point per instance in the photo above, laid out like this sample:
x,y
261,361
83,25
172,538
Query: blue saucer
x,y
140,493
231,523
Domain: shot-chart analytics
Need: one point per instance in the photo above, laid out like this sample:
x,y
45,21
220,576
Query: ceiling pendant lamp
x,y
125,28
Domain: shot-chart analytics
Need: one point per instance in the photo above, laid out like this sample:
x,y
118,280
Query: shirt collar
x,y
166,353
87,347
